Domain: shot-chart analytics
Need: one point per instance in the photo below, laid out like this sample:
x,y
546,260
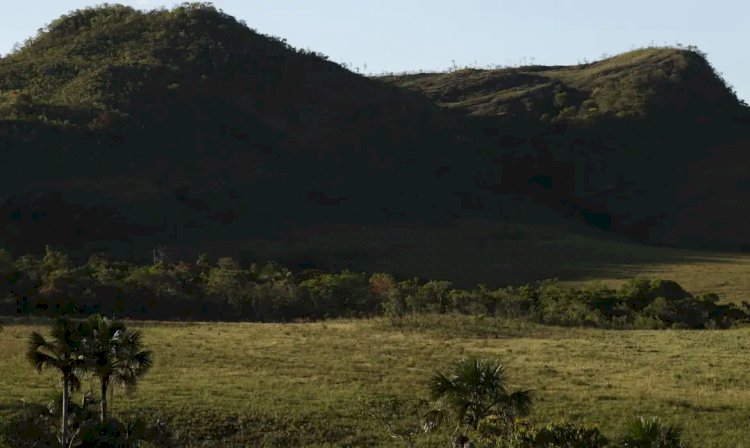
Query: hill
x,y
650,143
636,84
185,125
122,129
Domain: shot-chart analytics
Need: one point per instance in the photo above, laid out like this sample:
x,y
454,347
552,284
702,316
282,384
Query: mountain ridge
x,y
625,85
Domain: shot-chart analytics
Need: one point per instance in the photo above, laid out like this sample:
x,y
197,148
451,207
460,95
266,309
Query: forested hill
x,y
122,129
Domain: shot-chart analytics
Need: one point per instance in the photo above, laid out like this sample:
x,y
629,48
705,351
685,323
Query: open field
x,y
299,384
500,254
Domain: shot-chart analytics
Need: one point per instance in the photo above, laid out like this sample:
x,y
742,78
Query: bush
x,y
36,426
432,297
569,435
495,433
130,433
397,297
347,293
275,300
30,428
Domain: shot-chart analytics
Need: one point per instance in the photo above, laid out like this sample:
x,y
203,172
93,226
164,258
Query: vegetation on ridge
x,y
613,142
641,83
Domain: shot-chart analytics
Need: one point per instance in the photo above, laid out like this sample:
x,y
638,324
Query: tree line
x,y
53,285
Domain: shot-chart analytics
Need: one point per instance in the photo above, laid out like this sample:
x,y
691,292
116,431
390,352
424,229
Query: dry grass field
x,y
302,384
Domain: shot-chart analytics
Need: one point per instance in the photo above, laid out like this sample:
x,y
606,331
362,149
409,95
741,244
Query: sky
x,y
432,35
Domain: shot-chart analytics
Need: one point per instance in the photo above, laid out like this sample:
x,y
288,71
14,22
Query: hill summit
x,y
637,84
194,124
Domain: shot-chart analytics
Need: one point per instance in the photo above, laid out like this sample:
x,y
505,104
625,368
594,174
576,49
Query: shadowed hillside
x,y
122,129
650,143
184,125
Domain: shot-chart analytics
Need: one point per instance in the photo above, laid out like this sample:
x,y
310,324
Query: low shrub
x,y
495,433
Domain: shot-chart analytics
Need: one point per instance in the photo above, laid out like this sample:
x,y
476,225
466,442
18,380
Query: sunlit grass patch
x,y
301,384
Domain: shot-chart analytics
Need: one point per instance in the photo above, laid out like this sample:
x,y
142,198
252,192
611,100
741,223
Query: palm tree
x,y
63,352
651,432
115,355
472,390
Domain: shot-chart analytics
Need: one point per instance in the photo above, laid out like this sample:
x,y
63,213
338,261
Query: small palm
x,y
652,433
474,389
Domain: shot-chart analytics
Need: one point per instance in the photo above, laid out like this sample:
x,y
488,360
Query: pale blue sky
x,y
398,35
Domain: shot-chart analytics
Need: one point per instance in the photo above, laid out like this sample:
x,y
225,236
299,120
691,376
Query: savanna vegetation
x,y
104,354
470,404
340,383
125,131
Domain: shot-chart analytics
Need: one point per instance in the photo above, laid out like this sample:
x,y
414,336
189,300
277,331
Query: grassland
x,y
499,254
300,384
623,85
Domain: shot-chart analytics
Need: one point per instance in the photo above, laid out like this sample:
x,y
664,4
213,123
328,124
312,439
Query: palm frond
x,y
40,353
117,355
38,342
652,432
440,385
521,402
144,359
40,360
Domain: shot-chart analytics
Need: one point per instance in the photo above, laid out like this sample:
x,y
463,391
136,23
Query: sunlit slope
x,y
633,84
